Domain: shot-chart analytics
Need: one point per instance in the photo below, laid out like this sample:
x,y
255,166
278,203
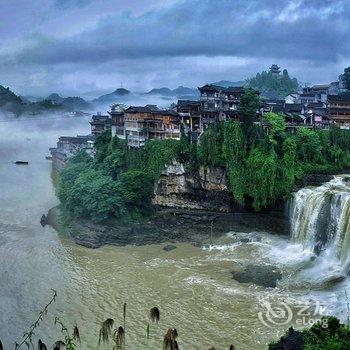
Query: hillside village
x,y
313,107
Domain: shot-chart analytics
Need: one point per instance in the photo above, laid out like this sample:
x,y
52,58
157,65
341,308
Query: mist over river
x,y
193,287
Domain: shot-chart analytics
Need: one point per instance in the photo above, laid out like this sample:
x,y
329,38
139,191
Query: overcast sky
x,y
73,46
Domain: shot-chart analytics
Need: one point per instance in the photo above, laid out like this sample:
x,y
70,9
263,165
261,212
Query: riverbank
x,y
174,225
166,226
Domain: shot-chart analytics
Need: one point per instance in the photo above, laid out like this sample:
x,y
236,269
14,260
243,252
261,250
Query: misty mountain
x,y
55,98
71,103
227,83
180,91
164,91
114,96
10,102
24,105
29,98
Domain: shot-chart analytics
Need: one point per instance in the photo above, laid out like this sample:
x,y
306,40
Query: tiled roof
x,y
293,107
152,109
187,103
74,139
339,98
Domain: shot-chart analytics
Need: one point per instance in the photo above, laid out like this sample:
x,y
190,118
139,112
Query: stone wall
x,y
205,190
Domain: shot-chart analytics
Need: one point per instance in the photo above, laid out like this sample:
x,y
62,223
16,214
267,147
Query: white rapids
x,y
320,219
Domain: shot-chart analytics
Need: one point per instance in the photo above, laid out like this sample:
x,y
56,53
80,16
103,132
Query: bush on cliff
x,y
329,334
118,182
136,188
96,196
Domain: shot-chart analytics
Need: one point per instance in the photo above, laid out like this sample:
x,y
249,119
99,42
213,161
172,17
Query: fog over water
x,y
193,287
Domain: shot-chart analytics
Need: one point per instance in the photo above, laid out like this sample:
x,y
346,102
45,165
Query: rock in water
x,y
266,276
43,220
169,247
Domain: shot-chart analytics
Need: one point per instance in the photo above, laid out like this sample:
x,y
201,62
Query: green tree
x,y
277,127
75,166
262,172
346,78
115,157
210,147
309,148
289,165
234,151
96,196
101,145
247,108
136,188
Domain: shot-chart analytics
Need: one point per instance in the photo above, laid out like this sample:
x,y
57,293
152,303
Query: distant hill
x,y
164,91
270,83
77,103
71,103
10,102
180,91
19,105
112,97
55,98
227,83
29,98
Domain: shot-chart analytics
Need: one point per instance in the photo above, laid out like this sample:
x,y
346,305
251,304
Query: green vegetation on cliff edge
x,y
261,169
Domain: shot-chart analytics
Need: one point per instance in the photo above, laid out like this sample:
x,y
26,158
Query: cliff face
x,y
206,190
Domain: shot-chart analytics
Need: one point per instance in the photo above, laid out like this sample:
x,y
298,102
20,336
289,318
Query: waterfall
x,y
320,218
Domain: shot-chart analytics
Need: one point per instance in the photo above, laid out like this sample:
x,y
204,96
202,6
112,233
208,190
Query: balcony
x,y
136,138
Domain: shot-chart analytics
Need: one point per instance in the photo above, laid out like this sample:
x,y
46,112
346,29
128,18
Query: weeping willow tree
x,y
289,165
210,147
262,171
235,153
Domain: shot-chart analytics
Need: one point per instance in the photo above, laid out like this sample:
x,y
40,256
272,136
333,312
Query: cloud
x,y
311,33
64,4
199,27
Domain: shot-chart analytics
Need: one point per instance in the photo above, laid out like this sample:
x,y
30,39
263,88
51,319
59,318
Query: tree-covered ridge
x,y
12,103
266,82
9,101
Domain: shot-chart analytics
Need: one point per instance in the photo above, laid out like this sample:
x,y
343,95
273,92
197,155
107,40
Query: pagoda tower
x,y
275,70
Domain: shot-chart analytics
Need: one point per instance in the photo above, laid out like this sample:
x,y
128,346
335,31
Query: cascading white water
x,y
320,218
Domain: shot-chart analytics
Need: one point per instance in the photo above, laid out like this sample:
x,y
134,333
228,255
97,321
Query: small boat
x,y
21,162
48,157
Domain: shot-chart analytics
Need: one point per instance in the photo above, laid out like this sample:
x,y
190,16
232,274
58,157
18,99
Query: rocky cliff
x,y
206,190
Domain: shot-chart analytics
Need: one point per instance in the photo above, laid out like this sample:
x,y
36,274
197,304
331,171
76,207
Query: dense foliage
x,y
266,82
266,169
329,334
261,168
118,182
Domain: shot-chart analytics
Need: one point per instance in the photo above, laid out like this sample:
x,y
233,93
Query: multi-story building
x,y
316,93
68,146
216,104
117,116
99,123
339,110
190,113
150,122
219,103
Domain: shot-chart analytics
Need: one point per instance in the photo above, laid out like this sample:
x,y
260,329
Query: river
x,y
193,287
